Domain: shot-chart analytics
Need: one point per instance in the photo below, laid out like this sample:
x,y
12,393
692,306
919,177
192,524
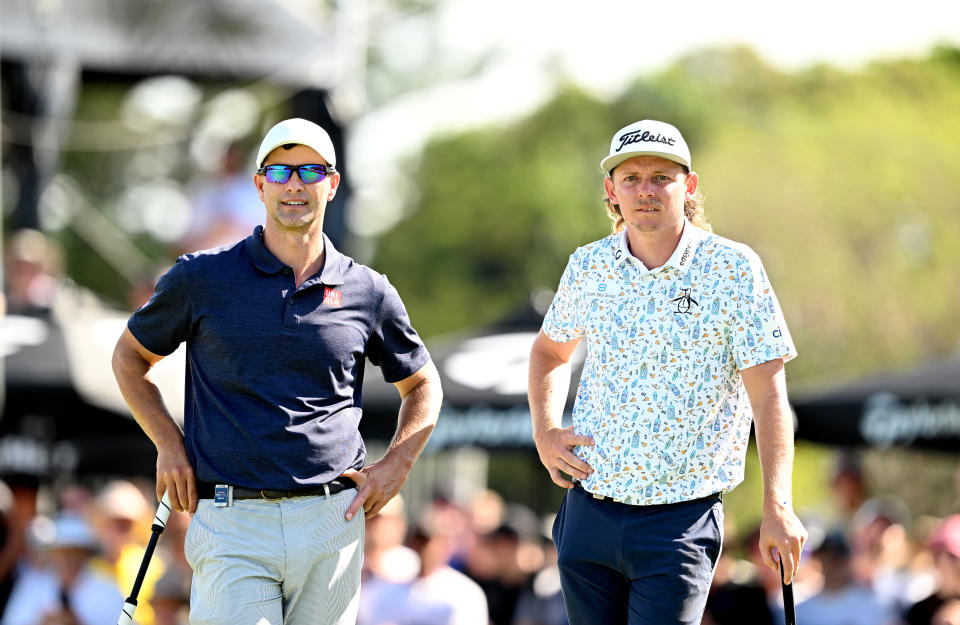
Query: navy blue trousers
x,y
636,565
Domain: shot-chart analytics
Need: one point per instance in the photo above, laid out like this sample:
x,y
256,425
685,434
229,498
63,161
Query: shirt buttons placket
x,y
289,318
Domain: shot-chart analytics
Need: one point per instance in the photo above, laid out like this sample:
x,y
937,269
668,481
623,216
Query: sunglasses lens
x,y
311,173
279,174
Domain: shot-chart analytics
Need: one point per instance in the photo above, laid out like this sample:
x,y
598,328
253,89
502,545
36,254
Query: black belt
x,y
715,496
205,490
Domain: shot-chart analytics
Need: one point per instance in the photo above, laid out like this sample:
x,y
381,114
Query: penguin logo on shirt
x,y
685,302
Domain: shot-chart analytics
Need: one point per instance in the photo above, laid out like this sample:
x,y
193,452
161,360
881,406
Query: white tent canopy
x,y
304,43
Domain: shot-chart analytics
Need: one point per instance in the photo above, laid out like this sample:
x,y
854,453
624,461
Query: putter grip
x,y
163,513
159,523
126,615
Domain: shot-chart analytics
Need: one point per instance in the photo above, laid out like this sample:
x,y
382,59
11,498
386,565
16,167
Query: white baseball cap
x,y
299,131
646,138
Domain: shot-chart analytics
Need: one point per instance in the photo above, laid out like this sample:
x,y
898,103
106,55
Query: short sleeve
x,y
165,321
760,331
395,346
563,322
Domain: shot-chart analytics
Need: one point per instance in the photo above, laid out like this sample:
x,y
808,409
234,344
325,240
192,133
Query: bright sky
x,y
603,45
607,42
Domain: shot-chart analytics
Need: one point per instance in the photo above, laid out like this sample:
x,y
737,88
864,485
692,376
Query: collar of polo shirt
x,y
681,258
265,261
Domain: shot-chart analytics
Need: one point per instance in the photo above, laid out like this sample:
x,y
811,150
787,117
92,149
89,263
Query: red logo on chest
x,y
332,297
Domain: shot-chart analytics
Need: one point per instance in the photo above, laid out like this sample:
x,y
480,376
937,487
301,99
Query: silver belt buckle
x,y
222,495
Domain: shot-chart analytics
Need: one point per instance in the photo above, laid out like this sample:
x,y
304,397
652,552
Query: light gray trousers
x,y
293,561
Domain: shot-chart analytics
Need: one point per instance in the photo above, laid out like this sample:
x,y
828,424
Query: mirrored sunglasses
x,y
309,174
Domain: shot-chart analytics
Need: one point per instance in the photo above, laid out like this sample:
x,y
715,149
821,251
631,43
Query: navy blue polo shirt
x,y
274,372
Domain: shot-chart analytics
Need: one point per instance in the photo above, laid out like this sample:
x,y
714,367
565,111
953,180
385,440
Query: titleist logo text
x,y
644,135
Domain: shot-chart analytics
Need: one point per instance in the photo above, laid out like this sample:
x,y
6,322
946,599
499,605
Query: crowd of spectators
x,y
486,562
70,554
872,563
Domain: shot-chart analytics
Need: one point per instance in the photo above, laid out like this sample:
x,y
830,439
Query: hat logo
x,y
643,135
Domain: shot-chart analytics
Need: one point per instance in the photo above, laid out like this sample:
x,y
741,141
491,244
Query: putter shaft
x,y
159,524
789,611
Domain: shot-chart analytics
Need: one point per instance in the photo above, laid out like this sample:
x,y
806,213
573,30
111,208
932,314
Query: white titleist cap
x,y
298,131
646,138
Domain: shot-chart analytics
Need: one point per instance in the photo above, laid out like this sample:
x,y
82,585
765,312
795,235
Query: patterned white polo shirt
x,y
661,392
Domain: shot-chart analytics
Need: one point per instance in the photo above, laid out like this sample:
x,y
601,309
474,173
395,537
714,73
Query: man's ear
x,y
611,192
334,185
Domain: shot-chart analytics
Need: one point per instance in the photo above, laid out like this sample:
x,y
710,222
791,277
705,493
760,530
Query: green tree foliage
x,y
846,183
497,213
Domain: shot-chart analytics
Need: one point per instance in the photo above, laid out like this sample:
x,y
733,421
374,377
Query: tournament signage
x,y
484,393
919,409
887,421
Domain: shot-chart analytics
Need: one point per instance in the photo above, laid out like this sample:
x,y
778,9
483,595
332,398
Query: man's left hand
x,y
780,529
377,483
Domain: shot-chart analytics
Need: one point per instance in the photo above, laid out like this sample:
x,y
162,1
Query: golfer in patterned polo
x,y
686,345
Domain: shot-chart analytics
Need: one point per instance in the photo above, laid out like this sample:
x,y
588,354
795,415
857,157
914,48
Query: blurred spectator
x,y
7,558
385,557
171,599
497,566
487,511
883,556
226,205
945,543
75,498
484,513
67,591
170,549
33,264
541,603
737,595
458,524
439,595
841,601
848,484
948,613
122,519
18,503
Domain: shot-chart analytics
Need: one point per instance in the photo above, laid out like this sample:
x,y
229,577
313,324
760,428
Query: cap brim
x,y
609,163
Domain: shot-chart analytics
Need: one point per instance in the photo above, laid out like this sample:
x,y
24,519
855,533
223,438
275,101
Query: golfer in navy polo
x,y
277,327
